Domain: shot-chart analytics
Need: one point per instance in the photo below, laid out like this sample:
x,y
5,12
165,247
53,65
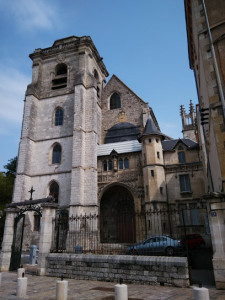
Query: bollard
x,y
32,258
121,292
20,272
201,293
61,289
21,289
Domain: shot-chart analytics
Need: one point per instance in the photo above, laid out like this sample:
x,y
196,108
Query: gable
x,y
132,109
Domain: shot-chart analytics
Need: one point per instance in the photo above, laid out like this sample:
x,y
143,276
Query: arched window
x,y
181,155
54,191
56,154
126,163
61,69
60,80
58,117
115,101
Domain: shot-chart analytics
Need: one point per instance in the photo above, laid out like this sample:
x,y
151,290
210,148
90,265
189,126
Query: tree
x,y
11,167
6,190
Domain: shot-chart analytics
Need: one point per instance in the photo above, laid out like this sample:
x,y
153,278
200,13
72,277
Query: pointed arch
x,y
60,79
61,69
58,116
56,153
117,222
54,190
115,101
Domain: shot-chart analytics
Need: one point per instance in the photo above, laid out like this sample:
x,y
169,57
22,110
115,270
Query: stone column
x,y
5,255
48,213
217,227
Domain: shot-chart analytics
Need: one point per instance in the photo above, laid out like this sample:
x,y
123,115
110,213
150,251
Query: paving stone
x,y
44,287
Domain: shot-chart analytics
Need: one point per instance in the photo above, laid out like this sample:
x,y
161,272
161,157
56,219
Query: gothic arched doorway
x,y
117,218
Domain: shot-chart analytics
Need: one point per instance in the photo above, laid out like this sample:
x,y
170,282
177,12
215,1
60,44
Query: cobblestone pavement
x,y
44,288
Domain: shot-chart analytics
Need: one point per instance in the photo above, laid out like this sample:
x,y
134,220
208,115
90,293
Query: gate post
x,y
45,242
7,242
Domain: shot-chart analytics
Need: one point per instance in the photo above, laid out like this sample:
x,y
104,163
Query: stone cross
x,y
31,192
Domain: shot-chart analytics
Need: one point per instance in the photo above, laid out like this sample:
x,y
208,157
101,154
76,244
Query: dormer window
x,y
60,80
181,155
115,101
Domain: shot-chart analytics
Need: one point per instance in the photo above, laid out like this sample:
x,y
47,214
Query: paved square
x,y
43,287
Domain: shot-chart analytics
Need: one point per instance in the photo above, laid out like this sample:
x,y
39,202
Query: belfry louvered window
x,y
60,79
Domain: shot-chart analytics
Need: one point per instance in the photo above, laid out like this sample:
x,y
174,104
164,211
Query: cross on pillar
x,y
31,192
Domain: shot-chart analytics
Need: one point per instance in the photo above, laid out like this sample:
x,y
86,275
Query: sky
x,y
143,42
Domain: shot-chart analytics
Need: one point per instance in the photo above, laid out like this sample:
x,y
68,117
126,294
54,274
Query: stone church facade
x,y
73,123
97,148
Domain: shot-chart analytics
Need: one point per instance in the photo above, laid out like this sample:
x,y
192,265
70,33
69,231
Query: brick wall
x,y
133,269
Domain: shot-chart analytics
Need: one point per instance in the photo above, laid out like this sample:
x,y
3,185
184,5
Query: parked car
x,y
194,240
154,245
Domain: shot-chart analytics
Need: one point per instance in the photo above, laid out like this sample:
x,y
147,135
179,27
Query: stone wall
x,y
133,269
133,108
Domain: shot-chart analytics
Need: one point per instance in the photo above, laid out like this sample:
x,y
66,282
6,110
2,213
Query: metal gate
x,y
17,242
18,236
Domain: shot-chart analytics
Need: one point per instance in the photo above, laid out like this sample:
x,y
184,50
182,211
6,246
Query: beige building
x,y
97,149
205,22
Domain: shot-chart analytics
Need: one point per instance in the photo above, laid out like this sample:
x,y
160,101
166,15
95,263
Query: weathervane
x,y
31,192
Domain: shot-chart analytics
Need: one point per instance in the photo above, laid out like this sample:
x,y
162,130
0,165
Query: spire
x,y
188,122
150,128
191,107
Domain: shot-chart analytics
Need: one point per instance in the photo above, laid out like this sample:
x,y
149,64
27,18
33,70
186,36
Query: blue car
x,y
156,245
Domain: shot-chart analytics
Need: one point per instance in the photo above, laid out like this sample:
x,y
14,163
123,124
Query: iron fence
x,y
154,232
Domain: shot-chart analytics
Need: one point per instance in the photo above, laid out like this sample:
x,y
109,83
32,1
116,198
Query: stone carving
x,y
60,57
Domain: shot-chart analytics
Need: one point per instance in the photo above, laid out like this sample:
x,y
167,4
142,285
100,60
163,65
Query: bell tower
x,y
61,125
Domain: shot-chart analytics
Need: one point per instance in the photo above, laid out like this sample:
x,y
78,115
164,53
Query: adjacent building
x,y
205,22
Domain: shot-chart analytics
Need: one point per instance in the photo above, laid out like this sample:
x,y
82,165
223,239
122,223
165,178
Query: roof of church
x,y
135,146
121,147
169,145
151,129
122,132
117,78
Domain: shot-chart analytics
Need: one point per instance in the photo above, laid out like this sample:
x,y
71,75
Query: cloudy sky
x,y
143,42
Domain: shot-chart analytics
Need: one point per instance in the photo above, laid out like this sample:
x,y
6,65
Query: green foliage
x,y
11,167
6,189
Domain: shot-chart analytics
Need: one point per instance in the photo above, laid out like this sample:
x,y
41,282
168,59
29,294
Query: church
x,y
81,137
97,149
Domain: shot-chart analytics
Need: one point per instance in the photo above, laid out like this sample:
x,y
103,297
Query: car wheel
x,y
133,252
169,251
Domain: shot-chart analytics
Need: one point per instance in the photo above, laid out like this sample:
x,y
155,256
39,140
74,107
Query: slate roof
x,y
122,132
135,146
150,128
121,147
169,145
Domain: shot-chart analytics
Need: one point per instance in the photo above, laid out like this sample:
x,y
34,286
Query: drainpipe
x,y
214,61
